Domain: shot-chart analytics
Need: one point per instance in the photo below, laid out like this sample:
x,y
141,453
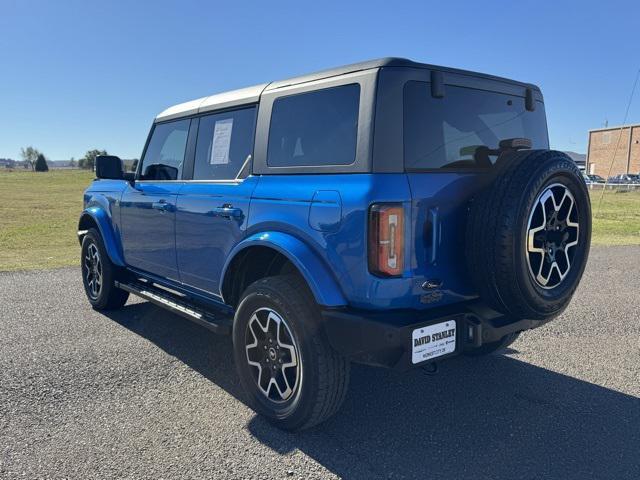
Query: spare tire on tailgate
x,y
528,234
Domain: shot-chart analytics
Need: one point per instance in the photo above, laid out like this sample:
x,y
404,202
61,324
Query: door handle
x,y
161,205
227,211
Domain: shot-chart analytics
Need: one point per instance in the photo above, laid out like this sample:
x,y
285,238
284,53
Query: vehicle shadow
x,y
493,417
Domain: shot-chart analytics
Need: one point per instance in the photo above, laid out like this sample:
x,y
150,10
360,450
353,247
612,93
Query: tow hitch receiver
x,y
430,368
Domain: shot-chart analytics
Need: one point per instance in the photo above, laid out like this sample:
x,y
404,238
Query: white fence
x,y
614,186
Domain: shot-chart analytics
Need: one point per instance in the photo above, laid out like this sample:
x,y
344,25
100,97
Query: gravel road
x,y
142,393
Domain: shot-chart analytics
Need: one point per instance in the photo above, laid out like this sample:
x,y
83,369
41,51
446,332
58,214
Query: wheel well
x,y
86,222
250,265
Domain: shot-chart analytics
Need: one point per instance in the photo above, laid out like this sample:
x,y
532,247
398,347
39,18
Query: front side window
x,y
225,145
464,128
165,153
317,128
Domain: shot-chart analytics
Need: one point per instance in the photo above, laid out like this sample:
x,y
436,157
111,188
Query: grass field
x,y
39,214
616,221
39,218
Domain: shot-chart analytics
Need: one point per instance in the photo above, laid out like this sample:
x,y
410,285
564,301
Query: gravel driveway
x,y
141,393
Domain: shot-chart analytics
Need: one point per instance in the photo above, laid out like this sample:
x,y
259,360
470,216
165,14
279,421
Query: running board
x,y
216,323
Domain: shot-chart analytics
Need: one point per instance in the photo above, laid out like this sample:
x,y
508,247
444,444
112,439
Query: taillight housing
x,y
386,239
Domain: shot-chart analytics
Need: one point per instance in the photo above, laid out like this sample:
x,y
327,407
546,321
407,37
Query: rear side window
x,y
225,145
460,130
165,153
315,128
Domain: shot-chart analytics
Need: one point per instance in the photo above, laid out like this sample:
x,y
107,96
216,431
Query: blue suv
x,y
390,213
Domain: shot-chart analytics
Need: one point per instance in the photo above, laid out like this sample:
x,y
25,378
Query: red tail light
x,y
386,239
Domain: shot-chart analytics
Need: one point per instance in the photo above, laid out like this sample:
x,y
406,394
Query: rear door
x,y
447,143
213,207
148,206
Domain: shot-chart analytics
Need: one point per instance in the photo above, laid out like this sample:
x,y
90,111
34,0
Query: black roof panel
x,y
382,63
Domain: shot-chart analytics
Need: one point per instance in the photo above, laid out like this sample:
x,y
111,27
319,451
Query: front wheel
x,y
290,373
99,274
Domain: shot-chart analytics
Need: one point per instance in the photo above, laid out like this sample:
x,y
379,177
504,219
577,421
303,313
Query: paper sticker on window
x,y
221,142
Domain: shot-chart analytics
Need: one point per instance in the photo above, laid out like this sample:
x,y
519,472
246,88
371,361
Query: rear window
x,y
458,130
225,143
315,128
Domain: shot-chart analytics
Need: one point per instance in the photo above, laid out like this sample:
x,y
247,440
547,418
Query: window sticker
x,y
221,142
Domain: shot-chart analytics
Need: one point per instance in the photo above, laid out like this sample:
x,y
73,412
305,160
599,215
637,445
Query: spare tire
x,y
528,234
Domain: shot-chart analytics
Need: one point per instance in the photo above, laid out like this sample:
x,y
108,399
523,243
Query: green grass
x,y
39,214
39,218
616,221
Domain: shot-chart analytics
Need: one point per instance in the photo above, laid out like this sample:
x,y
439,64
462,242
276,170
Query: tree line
x,y
36,160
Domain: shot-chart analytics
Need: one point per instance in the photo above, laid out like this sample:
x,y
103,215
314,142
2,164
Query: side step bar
x,y
216,323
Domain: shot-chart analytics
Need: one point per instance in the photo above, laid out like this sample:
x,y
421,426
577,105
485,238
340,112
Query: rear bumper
x,y
383,338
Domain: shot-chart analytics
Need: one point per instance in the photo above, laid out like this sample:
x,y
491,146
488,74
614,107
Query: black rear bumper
x,y
383,338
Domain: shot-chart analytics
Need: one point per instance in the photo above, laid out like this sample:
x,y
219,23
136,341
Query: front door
x,y
213,208
148,207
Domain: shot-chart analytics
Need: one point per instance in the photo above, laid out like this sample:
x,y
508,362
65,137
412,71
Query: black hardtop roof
x,y
252,94
386,62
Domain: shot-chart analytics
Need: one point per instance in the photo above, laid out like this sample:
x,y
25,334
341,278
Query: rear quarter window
x,y
450,132
225,145
315,128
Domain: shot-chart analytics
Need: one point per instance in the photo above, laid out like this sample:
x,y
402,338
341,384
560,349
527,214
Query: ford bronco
x,y
390,212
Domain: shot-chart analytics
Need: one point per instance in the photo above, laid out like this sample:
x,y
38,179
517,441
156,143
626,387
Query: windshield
x,y
463,129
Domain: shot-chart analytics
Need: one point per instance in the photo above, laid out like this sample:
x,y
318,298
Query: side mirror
x,y
109,167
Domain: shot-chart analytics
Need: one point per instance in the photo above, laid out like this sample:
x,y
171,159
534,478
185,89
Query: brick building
x,y
603,142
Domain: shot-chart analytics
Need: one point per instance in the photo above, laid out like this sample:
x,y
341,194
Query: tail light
x,y
386,239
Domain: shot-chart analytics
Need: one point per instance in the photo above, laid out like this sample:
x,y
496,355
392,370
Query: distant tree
x,y
41,164
72,162
89,160
29,156
134,165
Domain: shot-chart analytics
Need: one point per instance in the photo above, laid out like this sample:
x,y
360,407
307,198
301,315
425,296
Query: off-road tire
x,y
109,296
324,372
498,227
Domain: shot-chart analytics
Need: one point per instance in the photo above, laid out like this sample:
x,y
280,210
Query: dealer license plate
x,y
433,341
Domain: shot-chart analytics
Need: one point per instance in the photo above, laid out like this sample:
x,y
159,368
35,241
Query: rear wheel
x,y
99,274
290,373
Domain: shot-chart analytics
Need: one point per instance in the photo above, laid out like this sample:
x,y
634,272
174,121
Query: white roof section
x,y
213,102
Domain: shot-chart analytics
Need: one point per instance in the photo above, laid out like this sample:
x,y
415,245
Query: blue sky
x,y
76,75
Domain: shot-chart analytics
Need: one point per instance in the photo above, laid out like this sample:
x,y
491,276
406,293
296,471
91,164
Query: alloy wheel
x,y
273,355
93,271
552,235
